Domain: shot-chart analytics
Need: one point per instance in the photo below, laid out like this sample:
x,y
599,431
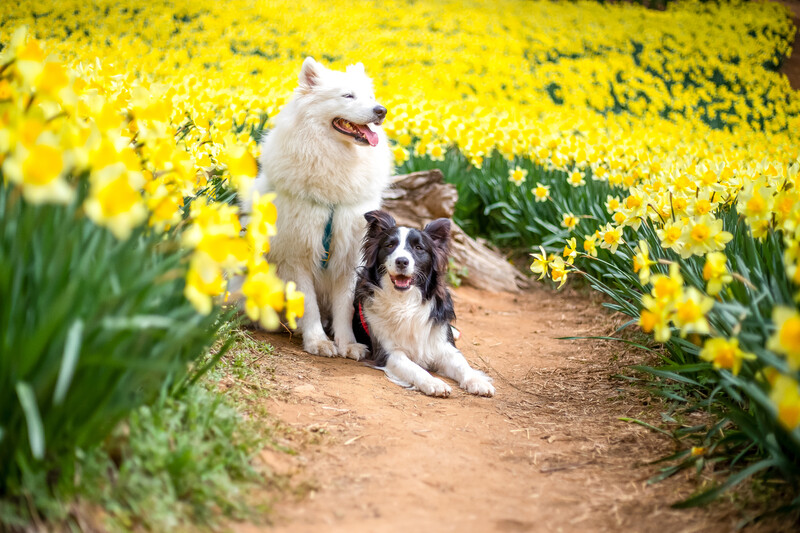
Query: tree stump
x,y
420,197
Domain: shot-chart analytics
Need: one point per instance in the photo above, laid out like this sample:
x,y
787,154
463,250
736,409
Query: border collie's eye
x,y
348,95
419,248
389,244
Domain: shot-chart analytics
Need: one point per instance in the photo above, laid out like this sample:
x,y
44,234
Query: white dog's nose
x,y
380,111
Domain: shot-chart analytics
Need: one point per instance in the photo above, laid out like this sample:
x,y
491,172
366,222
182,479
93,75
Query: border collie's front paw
x,y
480,385
323,347
354,351
435,387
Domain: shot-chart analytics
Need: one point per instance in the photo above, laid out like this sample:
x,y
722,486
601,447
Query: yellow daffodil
x,y
558,271
262,225
642,262
400,154
115,200
41,171
654,318
668,289
242,167
691,310
612,204
697,451
725,353
785,396
670,235
576,178
716,273
786,339
569,221
540,263
541,193
295,302
203,283
610,237
264,295
702,235
590,244
517,175
570,250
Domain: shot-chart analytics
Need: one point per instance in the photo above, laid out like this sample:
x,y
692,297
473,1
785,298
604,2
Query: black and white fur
x,y
403,298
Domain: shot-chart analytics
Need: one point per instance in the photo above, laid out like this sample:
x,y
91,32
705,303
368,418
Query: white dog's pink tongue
x,y
371,136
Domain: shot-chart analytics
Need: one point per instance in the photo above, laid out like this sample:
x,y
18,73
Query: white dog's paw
x,y
323,347
435,387
354,351
480,385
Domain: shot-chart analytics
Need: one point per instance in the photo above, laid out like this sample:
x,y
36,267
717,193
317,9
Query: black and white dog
x,y
403,309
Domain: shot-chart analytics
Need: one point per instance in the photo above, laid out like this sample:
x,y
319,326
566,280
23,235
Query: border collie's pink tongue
x,y
401,282
371,136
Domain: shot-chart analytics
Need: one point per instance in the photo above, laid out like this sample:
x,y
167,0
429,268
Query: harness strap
x,y
363,320
326,241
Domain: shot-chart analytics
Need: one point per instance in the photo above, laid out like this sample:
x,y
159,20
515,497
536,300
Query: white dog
x,y
328,161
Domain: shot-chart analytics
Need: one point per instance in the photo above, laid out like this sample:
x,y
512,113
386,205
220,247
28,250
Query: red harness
x,y
363,320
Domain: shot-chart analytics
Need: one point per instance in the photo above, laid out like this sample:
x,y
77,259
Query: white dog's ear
x,y
358,68
310,73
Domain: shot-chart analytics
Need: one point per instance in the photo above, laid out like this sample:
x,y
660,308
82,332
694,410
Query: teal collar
x,y
326,241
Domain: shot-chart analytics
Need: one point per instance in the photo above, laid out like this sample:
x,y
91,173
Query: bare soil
x,y
791,65
548,453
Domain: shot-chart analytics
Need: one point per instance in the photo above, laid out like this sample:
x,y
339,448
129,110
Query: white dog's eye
x,y
348,95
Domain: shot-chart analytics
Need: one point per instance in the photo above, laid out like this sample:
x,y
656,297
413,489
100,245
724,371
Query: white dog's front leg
x,y
342,319
314,339
400,367
455,366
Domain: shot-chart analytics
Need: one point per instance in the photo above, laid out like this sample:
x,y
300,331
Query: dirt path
x,y
791,65
547,453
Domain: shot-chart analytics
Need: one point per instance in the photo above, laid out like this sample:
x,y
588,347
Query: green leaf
x,y
732,481
138,322
665,374
27,400
68,361
645,424
636,344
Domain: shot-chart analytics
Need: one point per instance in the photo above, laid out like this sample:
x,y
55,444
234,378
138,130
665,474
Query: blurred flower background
x,y
652,152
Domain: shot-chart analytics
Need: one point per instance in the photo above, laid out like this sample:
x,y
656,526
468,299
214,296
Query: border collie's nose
x,y
401,262
380,111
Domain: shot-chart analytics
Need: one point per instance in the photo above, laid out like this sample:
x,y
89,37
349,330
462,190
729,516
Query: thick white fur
x,y
313,168
400,321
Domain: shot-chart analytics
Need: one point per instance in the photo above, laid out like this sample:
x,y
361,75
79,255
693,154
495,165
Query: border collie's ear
x,y
310,73
439,231
379,221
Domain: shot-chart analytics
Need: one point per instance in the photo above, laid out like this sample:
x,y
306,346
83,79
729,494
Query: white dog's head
x,y
343,101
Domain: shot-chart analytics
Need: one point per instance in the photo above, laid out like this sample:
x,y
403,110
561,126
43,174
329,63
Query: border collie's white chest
x,y
402,320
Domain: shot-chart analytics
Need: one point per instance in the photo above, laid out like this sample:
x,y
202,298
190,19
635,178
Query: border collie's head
x,y
406,257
